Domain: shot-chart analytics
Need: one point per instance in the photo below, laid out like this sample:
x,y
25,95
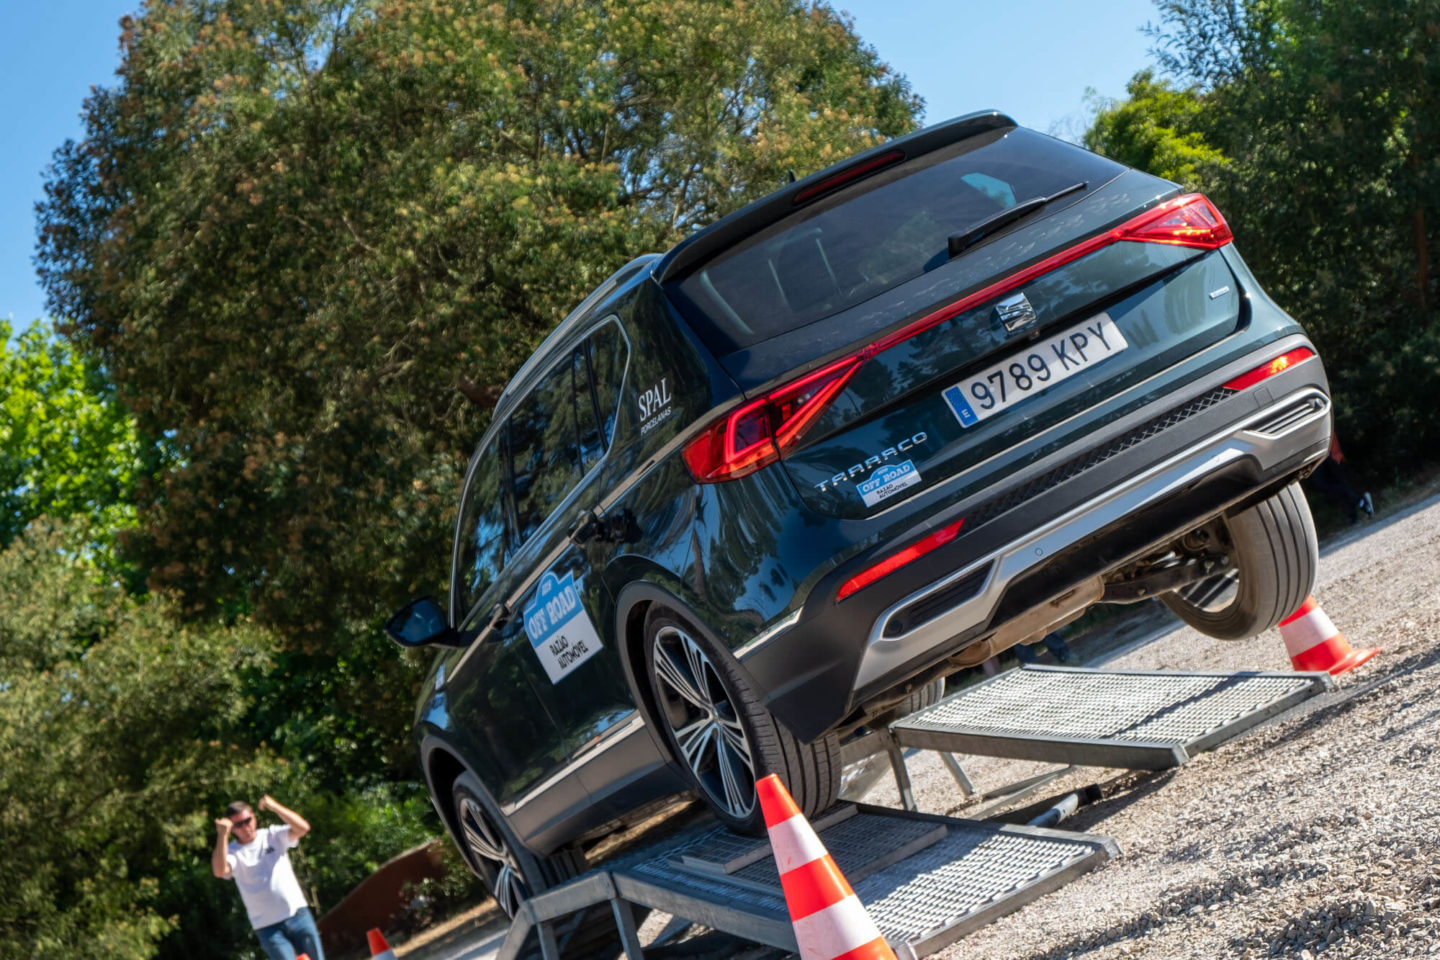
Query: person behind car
x,y
1329,478
259,863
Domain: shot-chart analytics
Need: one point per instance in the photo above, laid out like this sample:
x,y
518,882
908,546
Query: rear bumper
x,y
1136,485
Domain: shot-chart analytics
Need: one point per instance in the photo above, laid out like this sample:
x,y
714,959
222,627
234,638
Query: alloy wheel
x,y
486,842
704,722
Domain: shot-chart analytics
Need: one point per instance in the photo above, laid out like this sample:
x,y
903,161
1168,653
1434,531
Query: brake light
x,y
895,561
756,434
1281,363
846,176
1190,221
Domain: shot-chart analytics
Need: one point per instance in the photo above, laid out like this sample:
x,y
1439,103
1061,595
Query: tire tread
x,y
1277,552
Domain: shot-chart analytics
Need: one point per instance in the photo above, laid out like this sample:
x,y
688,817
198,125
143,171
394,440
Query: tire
x,y
510,870
1274,554
926,696
729,739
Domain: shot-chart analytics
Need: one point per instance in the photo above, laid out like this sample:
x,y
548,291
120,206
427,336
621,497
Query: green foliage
x,y
114,726
1328,115
294,229
66,447
124,735
357,832
1155,129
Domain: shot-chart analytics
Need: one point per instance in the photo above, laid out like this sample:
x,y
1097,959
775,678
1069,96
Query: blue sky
x,y
1031,58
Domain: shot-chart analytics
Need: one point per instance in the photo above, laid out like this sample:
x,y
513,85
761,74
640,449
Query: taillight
x,y
1281,363
895,561
1190,221
756,434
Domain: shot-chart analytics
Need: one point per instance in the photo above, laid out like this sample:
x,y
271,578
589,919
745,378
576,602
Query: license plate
x,y
1035,368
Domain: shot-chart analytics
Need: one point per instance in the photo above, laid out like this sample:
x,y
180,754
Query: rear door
x,y
558,440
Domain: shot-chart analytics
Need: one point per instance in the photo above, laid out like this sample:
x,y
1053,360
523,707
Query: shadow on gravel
x,y
1317,929
1329,708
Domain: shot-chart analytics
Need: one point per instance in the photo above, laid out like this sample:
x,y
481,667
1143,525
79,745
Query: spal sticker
x,y
888,481
559,629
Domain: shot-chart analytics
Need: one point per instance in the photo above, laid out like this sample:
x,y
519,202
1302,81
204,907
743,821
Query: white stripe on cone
x,y
1308,631
794,844
838,929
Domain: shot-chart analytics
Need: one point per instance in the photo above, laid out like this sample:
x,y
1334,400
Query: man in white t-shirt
x,y
259,863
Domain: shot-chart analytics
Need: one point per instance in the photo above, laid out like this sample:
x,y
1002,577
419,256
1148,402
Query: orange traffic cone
x,y
830,921
303,956
1314,644
379,949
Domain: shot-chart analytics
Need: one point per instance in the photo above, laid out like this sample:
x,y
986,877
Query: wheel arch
x,y
442,766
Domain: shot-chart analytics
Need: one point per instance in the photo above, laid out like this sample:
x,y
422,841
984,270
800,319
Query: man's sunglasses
x,y
237,824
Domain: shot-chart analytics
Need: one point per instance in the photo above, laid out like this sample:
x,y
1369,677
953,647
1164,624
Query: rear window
x,y
841,251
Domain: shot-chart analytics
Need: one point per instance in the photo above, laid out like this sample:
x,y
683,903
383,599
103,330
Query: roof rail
x,y
573,320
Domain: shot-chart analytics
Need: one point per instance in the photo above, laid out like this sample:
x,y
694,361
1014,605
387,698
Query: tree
x,y
117,730
1155,129
1326,113
298,235
67,448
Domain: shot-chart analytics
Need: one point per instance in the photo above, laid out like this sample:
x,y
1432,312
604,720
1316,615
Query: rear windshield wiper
x,y
960,242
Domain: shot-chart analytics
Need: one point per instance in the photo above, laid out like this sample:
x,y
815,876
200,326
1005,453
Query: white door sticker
x,y
558,626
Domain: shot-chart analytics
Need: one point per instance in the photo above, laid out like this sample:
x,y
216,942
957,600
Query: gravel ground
x,y
1317,835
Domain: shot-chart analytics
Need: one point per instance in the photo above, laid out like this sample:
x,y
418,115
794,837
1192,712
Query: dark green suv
x,y
889,420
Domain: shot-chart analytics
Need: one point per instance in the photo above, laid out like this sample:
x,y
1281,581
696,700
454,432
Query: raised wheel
x,y
1274,554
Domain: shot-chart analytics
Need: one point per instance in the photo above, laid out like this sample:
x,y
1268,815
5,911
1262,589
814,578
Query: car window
x,y
544,449
839,252
608,352
482,527
592,442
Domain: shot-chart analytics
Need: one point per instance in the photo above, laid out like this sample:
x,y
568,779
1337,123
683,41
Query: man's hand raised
x,y
223,826
267,802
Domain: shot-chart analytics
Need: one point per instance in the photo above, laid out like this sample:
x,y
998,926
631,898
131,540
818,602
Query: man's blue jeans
x,y
289,938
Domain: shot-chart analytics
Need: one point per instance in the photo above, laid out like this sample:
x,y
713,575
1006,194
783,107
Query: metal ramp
x,y
1142,720
929,880
925,880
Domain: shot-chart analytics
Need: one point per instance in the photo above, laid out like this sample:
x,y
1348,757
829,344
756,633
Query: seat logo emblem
x,y
1015,312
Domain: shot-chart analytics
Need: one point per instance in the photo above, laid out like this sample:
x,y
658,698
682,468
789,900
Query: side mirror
x,y
421,623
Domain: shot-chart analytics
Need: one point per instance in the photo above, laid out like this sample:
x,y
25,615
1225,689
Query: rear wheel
x,y
721,734
509,869
1274,555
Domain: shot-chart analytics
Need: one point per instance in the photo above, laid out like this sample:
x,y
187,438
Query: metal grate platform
x,y
926,880
1105,718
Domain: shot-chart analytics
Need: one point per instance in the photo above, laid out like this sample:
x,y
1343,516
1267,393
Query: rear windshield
x,y
855,245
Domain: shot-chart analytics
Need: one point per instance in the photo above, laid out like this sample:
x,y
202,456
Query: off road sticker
x,y
558,626
888,481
